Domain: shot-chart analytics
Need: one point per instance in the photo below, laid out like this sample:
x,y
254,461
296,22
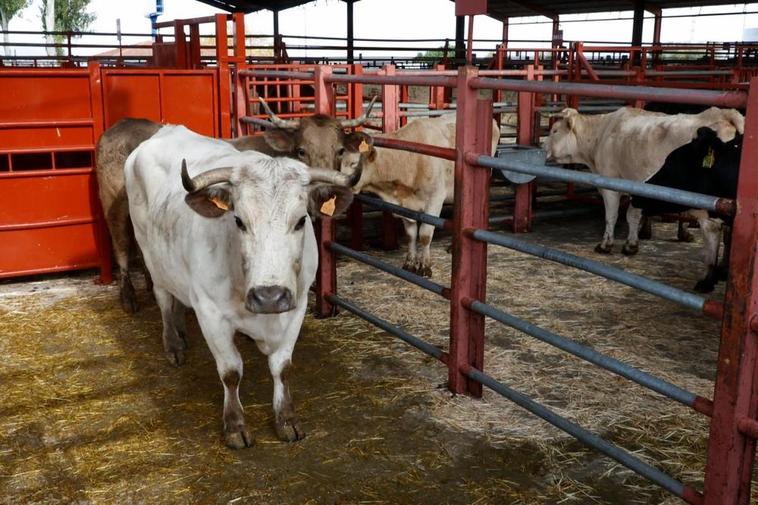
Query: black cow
x,y
705,165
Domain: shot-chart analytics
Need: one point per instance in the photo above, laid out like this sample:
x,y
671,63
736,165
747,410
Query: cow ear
x,y
358,142
569,115
212,201
280,140
328,200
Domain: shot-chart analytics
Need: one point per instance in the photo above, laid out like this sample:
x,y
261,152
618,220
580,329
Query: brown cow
x,y
318,141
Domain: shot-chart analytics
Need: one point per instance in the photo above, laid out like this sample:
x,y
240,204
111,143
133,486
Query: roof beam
x,y
535,8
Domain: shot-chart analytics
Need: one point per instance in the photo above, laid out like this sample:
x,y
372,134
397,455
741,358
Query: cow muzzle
x,y
269,300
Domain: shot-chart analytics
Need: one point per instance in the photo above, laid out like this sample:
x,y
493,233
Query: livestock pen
x,y
91,411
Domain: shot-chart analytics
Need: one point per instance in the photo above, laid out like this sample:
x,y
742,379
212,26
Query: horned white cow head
x,y
265,203
562,145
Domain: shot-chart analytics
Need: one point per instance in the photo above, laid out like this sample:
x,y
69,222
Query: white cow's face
x,y
265,204
562,146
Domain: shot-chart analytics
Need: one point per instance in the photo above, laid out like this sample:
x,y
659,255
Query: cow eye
x,y
341,152
300,223
301,152
240,224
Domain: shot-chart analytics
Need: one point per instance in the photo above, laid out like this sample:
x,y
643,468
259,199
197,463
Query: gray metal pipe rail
x,y
686,198
736,99
390,328
587,437
284,74
698,403
418,280
422,217
656,288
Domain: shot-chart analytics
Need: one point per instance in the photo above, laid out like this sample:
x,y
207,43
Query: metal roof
x,y
498,9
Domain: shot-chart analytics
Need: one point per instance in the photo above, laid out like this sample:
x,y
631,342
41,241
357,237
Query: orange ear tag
x,y
220,203
363,147
329,206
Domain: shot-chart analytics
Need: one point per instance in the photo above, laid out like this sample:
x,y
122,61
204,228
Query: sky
x,y
408,19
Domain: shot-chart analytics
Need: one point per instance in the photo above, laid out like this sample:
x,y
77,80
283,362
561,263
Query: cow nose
x,y
269,300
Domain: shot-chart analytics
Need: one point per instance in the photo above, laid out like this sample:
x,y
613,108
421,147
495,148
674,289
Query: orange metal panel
x,y
131,95
49,249
49,137
32,199
190,100
28,97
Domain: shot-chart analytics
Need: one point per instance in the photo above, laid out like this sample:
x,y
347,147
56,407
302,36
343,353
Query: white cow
x,y
415,181
632,144
227,233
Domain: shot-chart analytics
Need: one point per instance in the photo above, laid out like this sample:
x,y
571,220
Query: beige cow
x,y
632,144
415,181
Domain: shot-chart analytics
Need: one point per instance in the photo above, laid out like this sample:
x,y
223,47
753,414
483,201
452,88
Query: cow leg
x,y
723,268
426,232
682,234
646,228
611,202
711,238
633,216
118,224
174,342
411,230
219,335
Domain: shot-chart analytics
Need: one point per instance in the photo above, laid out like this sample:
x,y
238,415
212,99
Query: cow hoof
x,y
410,266
289,430
128,298
239,438
630,250
704,286
425,271
685,236
176,357
600,248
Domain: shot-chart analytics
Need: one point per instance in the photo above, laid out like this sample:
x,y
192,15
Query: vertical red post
x,y
390,123
404,98
194,46
102,237
326,277
470,210
180,44
224,79
522,211
730,452
240,94
239,37
355,212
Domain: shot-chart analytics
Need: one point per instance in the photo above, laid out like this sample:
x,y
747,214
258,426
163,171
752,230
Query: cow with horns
x,y
228,234
317,140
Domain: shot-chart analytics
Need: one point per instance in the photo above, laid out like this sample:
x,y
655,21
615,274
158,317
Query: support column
x,y
471,210
276,25
326,227
639,19
350,40
460,50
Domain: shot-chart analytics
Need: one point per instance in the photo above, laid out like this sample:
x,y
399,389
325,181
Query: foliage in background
x,y
8,10
68,16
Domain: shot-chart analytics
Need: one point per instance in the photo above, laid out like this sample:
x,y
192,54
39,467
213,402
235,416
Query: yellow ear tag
x,y
709,159
329,206
220,203
364,147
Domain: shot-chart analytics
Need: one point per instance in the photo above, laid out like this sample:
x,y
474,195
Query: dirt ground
x,y
91,411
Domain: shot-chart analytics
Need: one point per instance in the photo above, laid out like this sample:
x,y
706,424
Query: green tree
x,y
69,16
8,9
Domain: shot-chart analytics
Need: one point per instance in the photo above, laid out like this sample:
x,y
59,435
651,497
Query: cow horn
x,y
331,177
352,123
200,182
279,122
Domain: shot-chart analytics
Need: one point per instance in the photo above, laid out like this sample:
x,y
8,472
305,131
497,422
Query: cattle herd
x,y
224,226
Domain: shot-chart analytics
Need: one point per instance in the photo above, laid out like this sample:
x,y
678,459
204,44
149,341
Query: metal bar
x,y
421,217
416,147
277,74
396,331
47,224
588,438
686,198
46,124
748,427
396,79
698,403
736,99
418,280
656,288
